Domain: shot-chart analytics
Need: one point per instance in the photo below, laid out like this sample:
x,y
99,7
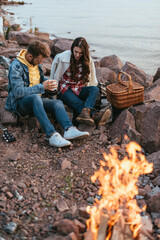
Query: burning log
x,y
116,216
102,228
121,231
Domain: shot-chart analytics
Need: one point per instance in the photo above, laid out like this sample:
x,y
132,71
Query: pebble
x,y
20,197
11,227
90,200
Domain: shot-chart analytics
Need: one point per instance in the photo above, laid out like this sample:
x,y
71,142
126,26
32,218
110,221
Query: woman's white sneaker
x,y
57,140
74,133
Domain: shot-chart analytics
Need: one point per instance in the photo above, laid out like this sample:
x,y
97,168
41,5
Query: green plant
x,y
6,32
69,182
36,30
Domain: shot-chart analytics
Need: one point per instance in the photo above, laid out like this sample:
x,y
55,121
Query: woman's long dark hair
x,y
84,60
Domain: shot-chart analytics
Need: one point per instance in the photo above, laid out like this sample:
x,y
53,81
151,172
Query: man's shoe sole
x,y
64,145
78,137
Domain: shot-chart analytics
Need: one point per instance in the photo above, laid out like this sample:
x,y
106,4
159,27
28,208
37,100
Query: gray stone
x,y
90,200
11,227
20,197
154,191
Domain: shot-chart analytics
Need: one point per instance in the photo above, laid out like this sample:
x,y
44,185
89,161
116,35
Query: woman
x,y
75,72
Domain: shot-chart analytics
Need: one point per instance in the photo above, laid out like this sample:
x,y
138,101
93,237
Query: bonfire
x,y
116,215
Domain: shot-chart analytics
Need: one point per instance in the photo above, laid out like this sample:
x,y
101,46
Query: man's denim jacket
x,y
19,84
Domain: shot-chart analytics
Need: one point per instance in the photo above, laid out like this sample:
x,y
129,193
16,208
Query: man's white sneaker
x,y
57,140
74,133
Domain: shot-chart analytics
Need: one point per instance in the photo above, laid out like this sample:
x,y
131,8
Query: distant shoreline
x,y
128,48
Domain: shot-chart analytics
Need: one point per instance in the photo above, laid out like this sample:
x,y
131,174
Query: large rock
x,y
3,73
124,125
105,75
137,75
25,38
147,120
46,66
6,117
152,92
65,227
112,62
42,35
11,52
155,159
157,75
59,45
4,62
12,35
1,29
154,203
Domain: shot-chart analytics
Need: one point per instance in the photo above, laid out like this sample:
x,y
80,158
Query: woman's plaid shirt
x,y
67,82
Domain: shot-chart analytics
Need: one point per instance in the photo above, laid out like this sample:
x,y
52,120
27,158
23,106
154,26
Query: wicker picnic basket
x,y
123,94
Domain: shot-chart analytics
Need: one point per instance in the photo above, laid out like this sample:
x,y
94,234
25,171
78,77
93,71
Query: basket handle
x,y
130,88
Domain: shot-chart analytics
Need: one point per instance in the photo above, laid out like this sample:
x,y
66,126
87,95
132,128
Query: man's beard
x,y
32,62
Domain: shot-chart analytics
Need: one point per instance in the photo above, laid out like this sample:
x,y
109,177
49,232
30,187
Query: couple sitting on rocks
x,y
72,72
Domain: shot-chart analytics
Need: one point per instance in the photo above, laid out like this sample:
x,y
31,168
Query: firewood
x,y
88,235
145,235
121,230
102,227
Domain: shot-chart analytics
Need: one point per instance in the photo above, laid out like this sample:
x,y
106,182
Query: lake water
x,y
129,29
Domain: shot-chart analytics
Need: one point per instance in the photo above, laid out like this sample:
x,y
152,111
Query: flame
x,y
118,188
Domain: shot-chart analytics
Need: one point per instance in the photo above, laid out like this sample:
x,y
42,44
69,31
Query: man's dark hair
x,y
37,48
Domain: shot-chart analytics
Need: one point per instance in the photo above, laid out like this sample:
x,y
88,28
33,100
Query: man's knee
x,y
58,103
36,98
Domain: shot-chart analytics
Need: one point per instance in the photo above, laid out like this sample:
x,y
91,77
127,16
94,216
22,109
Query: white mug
x,y
54,83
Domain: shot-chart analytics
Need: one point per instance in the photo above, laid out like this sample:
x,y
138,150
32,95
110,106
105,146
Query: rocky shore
x,y
43,190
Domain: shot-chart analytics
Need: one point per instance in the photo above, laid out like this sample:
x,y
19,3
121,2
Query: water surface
x,y
129,29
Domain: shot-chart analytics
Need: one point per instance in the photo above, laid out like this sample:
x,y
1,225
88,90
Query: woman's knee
x,y
94,89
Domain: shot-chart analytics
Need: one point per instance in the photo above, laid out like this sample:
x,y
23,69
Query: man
x,y
27,83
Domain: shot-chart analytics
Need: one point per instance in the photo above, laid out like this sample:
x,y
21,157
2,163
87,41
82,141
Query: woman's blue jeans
x,y
39,107
86,98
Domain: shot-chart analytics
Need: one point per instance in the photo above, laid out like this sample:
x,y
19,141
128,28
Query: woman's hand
x,y
50,85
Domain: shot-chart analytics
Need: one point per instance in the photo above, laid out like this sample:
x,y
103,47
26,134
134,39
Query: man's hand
x,y
50,85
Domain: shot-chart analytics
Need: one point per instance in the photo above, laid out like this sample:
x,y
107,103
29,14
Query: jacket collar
x,y
66,56
26,68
